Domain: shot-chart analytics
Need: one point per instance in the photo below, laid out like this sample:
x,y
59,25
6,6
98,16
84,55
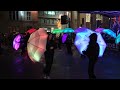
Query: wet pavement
x,y
15,66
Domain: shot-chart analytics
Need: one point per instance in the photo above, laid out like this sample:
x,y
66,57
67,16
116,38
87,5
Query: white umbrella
x,y
37,44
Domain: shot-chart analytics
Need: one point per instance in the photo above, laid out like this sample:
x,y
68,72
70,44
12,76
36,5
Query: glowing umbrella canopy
x,y
100,30
117,40
68,30
81,29
56,31
64,37
82,41
109,32
16,42
31,30
37,44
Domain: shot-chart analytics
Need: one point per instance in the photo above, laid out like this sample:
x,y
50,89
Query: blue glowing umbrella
x,y
81,29
100,30
117,40
64,37
82,41
109,32
68,30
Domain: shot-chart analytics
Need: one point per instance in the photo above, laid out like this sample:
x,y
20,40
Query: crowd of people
x,y
54,42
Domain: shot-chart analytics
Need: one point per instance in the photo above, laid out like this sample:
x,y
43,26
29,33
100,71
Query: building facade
x,y
21,20
51,19
92,21
18,20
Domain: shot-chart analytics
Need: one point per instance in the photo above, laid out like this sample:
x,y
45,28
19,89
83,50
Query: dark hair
x,y
93,37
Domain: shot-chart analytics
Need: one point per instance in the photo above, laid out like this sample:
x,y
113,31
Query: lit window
x,y
45,12
22,13
51,12
88,17
28,15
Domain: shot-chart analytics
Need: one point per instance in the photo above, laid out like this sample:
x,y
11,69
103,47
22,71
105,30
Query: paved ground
x,y
14,66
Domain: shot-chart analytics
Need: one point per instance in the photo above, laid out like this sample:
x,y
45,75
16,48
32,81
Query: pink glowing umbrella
x,y
31,30
16,42
100,30
64,37
37,44
81,29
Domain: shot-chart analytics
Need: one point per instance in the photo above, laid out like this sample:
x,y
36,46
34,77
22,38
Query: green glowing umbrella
x,y
57,31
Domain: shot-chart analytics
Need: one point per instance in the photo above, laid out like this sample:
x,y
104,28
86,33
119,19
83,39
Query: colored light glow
x,y
16,42
117,40
59,25
56,31
22,13
67,13
82,41
68,30
100,30
64,37
37,44
81,29
109,32
31,30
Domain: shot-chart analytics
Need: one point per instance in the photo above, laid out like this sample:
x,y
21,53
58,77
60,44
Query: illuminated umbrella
x,y
117,40
57,31
81,29
16,42
68,30
64,37
37,44
31,30
109,32
82,41
100,30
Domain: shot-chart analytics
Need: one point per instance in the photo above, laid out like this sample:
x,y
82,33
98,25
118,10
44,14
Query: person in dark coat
x,y
24,41
49,55
59,42
69,44
92,53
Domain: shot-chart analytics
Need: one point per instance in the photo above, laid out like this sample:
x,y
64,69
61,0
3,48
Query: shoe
x,y
45,77
92,77
48,77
